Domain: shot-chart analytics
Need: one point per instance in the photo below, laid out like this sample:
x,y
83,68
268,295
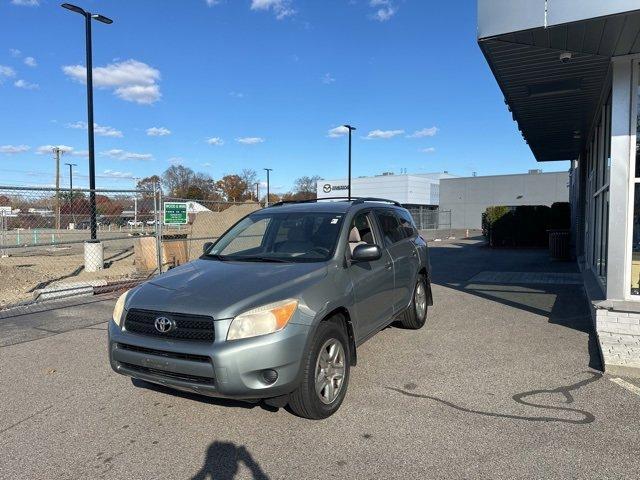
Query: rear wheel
x,y
326,373
416,315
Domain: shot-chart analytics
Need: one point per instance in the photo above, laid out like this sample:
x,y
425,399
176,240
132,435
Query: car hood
x,y
223,289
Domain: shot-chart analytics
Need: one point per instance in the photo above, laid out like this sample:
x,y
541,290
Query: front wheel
x,y
326,373
416,315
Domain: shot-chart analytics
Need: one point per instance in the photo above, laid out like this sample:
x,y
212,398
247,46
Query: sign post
x,y
175,213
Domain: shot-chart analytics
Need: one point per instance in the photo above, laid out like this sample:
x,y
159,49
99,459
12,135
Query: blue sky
x,y
223,85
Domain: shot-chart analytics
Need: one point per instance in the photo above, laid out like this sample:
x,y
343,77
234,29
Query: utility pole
x,y
258,192
57,152
266,203
135,203
351,129
71,165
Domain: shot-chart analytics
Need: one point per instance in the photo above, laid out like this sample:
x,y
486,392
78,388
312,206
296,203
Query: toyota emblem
x,y
164,324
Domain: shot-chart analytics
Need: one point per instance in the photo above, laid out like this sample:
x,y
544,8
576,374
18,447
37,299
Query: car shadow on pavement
x,y
223,461
224,402
584,417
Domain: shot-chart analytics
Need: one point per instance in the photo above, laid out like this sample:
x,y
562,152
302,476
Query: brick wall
x,y
619,337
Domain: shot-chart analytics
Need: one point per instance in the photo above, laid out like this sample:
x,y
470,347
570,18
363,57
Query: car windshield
x,y
270,236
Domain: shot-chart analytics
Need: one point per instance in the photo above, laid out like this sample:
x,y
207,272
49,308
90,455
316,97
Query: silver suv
x,y
276,307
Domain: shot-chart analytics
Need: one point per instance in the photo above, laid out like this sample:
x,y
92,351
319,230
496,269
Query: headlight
x,y
119,308
262,320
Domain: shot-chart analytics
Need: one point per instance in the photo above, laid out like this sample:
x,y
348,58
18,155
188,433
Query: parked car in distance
x,y
275,309
134,223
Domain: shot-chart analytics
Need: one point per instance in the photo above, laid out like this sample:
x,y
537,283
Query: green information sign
x,y
175,213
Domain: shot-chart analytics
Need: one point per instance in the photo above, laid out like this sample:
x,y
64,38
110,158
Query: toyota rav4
x,y
275,309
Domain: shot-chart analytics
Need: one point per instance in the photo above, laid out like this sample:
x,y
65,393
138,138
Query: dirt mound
x,y
208,226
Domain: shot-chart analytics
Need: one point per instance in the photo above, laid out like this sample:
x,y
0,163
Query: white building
x,y
467,198
413,189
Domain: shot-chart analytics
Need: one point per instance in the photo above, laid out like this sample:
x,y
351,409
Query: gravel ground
x,y
502,383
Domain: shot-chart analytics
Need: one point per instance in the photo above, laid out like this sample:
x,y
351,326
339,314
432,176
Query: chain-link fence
x,y
427,218
47,250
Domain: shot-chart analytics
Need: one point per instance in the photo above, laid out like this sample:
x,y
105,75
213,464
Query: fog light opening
x,y
269,376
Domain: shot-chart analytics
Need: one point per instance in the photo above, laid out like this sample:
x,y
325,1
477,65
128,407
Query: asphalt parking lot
x,y
503,382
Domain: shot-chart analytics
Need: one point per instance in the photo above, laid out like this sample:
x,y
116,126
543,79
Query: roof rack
x,y
374,199
355,200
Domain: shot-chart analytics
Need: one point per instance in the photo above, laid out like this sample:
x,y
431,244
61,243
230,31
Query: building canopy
x,y
551,60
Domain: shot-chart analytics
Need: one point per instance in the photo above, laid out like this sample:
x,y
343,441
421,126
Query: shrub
x,y
523,226
560,216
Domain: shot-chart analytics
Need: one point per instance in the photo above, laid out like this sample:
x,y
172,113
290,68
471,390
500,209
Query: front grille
x,y
163,373
164,353
188,327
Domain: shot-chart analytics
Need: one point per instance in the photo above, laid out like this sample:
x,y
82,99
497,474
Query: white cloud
x,y
44,149
328,79
217,141
211,3
130,80
176,160
30,62
236,94
250,140
13,149
118,154
100,130
15,53
207,165
6,72
428,150
425,132
337,132
158,132
385,134
26,85
79,153
26,3
116,174
385,9
280,8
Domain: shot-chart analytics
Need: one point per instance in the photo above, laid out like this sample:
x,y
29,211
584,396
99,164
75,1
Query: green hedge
x,y
524,226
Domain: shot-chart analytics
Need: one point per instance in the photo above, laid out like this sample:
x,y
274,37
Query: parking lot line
x,y
624,384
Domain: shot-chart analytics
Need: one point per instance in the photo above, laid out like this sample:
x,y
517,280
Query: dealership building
x,y
569,73
411,190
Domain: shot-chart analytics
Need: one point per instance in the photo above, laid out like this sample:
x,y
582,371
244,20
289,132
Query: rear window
x,y
391,230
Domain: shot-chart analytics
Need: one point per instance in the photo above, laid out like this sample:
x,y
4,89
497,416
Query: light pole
x,y
71,165
351,129
88,16
258,192
266,203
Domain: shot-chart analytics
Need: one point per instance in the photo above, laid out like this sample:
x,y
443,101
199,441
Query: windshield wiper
x,y
260,259
215,256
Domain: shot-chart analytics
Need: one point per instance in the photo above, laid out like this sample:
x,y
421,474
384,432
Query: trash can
x,y
560,244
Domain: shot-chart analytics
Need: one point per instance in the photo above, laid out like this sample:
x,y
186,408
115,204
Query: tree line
x,y
182,182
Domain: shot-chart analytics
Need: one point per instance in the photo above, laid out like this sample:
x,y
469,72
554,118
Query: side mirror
x,y
366,253
206,247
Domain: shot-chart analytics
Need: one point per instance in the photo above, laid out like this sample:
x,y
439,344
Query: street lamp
x,y
351,129
71,165
88,16
266,203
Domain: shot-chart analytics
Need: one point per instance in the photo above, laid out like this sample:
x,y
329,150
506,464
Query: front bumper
x,y
220,369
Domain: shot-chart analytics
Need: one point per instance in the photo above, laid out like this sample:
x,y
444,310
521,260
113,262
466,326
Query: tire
x,y
305,401
416,315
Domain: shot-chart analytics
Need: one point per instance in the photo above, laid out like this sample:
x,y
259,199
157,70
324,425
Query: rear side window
x,y
391,230
407,224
